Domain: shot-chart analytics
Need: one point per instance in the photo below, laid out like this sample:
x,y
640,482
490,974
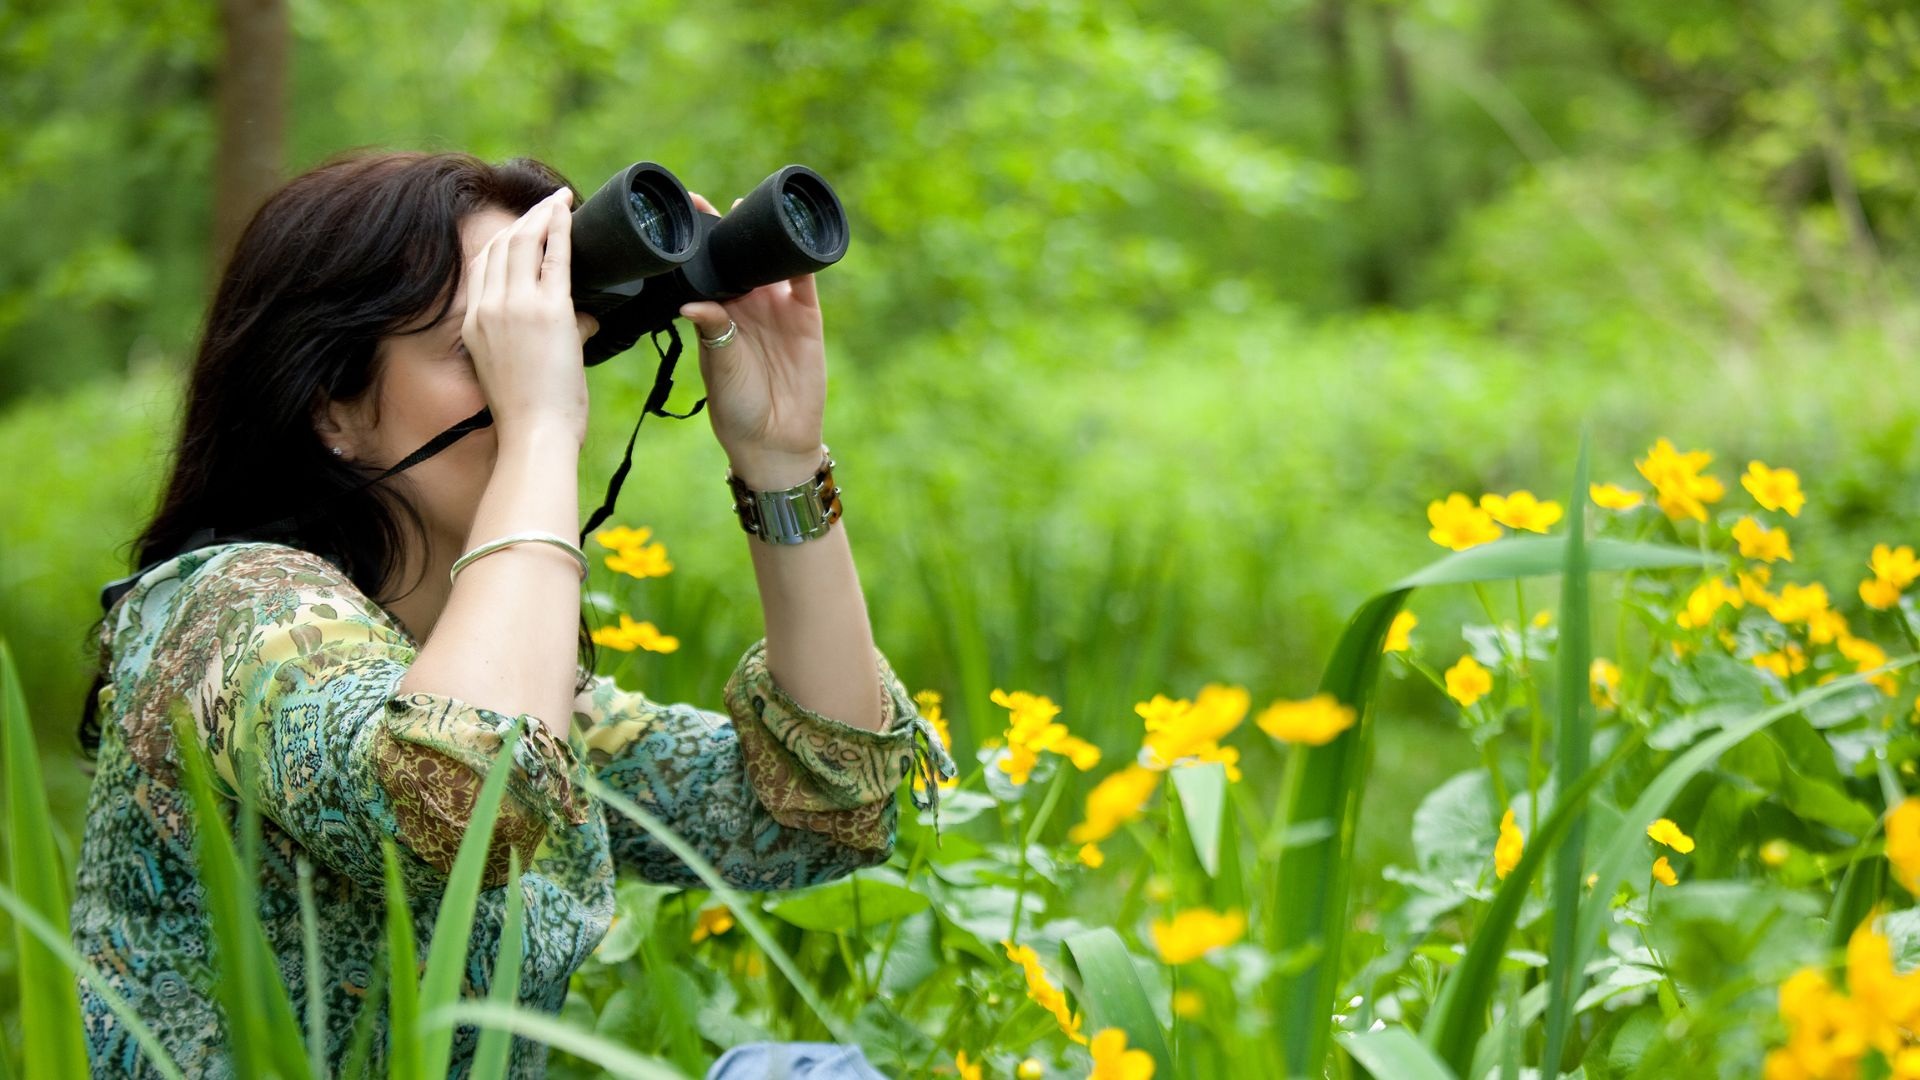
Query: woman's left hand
x,y
767,388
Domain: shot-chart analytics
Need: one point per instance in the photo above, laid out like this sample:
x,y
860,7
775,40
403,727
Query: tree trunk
x,y
252,102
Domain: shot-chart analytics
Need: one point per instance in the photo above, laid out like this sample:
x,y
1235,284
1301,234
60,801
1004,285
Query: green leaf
x,y
404,1052
1394,1054
542,1027
453,924
830,908
260,1020
1101,973
1573,735
52,1041
492,1054
315,966
1203,800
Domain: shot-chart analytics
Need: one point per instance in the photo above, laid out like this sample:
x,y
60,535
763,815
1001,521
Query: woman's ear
x,y
336,423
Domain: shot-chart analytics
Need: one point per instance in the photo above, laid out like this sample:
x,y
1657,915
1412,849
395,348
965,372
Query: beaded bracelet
x,y
532,536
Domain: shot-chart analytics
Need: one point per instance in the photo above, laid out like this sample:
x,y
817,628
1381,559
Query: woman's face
x,y
423,385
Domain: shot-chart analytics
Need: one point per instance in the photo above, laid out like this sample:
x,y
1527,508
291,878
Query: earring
x,y
337,451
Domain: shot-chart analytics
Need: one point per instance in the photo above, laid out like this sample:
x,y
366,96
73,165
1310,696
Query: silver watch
x,y
792,515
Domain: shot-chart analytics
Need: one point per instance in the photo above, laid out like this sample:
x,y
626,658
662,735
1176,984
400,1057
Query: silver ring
x,y
723,340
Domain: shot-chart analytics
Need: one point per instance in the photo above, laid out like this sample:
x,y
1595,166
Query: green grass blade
x,y
1394,1054
1101,974
492,1055
1860,889
541,1027
260,1021
1203,800
315,967
1313,925
743,912
1572,739
1459,1014
54,940
52,1040
453,924
403,975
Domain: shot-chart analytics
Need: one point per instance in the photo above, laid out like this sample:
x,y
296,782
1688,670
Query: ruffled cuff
x,y
814,772
542,779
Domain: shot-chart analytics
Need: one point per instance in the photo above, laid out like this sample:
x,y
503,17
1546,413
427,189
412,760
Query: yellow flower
x,y
967,1070
1666,832
1032,729
1677,484
640,560
621,537
1468,682
1663,872
1178,729
1043,992
1896,565
1775,853
1400,634
1879,593
1759,542
1866,656
1092,856
1784,663
1188,1003
1753,587
1508,848
1113,1061
1191,933
1775,489
1903,844
1316,721
1603,683
630,635
1458,524
1707,599
1826,627
1614,497
1521,510
1029,1069
1800,603
1118,798
712,922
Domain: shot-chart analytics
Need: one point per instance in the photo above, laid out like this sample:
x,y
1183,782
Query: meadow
x,y
1434,603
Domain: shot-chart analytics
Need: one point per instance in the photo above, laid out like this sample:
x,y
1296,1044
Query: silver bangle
x,y
532,536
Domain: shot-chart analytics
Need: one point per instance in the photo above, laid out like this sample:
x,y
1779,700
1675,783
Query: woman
x,y
370,305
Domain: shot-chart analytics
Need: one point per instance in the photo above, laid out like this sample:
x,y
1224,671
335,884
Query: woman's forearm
x,y
819,640
507,638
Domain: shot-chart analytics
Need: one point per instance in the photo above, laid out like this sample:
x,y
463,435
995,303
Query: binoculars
x,y
641,249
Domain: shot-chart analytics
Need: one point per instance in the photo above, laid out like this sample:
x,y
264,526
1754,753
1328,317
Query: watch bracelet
x,y
792,515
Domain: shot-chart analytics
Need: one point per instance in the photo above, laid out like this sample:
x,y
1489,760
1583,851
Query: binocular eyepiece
x,y
641,249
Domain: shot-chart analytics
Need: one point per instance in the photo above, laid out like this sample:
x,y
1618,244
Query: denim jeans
x,y
794,1061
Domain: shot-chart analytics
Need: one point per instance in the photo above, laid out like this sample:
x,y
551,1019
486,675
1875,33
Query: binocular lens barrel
x,y
639,224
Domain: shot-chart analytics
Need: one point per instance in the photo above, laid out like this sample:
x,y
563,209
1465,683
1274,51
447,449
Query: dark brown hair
x,y
365,246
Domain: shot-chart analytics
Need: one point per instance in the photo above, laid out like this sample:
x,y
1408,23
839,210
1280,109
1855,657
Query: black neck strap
x,y
656,401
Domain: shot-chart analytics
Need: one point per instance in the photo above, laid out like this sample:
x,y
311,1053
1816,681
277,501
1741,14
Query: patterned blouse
x,y
280,658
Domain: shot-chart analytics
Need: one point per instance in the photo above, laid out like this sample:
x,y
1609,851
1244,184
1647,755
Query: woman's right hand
x,y
520,327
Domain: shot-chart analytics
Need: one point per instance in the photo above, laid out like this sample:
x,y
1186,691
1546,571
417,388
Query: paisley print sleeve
x,y
301,681
775,795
